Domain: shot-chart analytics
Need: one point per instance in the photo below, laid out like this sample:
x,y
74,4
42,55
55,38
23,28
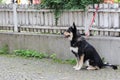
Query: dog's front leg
x,y
80,62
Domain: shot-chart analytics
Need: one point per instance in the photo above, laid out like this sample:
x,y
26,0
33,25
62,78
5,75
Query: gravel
x,y
19,68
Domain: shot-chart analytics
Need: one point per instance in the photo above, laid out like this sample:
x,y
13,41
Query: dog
x,y
83,51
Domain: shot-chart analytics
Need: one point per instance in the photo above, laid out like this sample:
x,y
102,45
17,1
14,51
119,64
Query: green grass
x,y
4,49
68,61
34,54
30,53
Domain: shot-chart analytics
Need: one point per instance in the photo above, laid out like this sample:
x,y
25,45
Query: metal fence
x,y
30,18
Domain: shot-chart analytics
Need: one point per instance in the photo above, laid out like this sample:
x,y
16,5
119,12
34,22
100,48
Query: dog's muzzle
x,y
66,34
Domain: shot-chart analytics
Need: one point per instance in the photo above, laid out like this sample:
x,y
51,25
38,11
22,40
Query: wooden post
x,y
86,23
15,17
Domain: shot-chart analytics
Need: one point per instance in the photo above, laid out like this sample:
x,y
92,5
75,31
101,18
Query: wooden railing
x,y
31,19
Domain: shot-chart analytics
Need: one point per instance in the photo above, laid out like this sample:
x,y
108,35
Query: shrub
x,y
59,5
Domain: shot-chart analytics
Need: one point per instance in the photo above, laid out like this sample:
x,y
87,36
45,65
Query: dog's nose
x,y
62,33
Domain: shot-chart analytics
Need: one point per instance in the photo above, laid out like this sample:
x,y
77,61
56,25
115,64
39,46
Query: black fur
x,y
87,49
91,53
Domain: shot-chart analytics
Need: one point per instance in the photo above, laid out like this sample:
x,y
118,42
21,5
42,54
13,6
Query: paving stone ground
x,y
19,68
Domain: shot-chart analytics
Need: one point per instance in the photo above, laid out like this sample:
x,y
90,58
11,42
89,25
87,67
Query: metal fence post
x,y
15,17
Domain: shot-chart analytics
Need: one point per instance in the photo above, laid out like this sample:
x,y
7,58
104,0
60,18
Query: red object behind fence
x,y
36,1
109,1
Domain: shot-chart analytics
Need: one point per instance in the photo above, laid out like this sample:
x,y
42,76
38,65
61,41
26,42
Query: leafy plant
x,y
59,5
1,1
68,61
4,49
71,61
30,53
53,56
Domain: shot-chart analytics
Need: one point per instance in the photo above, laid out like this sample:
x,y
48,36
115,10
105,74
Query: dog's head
x,y
70,32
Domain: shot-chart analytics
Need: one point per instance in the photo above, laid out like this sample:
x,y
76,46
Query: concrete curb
x,y
107,47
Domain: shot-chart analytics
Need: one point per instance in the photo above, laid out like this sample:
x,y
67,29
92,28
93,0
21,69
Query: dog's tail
x,y
110,65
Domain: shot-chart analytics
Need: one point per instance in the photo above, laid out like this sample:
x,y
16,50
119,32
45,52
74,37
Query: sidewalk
x,y
18,68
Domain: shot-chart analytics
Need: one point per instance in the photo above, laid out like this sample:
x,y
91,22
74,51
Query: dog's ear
x,y
74,26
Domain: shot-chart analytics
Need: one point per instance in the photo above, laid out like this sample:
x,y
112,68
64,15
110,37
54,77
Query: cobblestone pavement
x,y
18,68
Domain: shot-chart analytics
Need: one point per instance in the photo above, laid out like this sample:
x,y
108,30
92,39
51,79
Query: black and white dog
x,y
83,51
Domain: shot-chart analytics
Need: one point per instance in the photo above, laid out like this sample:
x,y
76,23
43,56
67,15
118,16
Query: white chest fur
x,y
74,49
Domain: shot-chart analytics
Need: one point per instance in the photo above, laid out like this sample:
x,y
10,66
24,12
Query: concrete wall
x,y
107,47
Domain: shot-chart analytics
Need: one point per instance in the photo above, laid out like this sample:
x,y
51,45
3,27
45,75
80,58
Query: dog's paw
x,y
91,68
78,68
75,66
